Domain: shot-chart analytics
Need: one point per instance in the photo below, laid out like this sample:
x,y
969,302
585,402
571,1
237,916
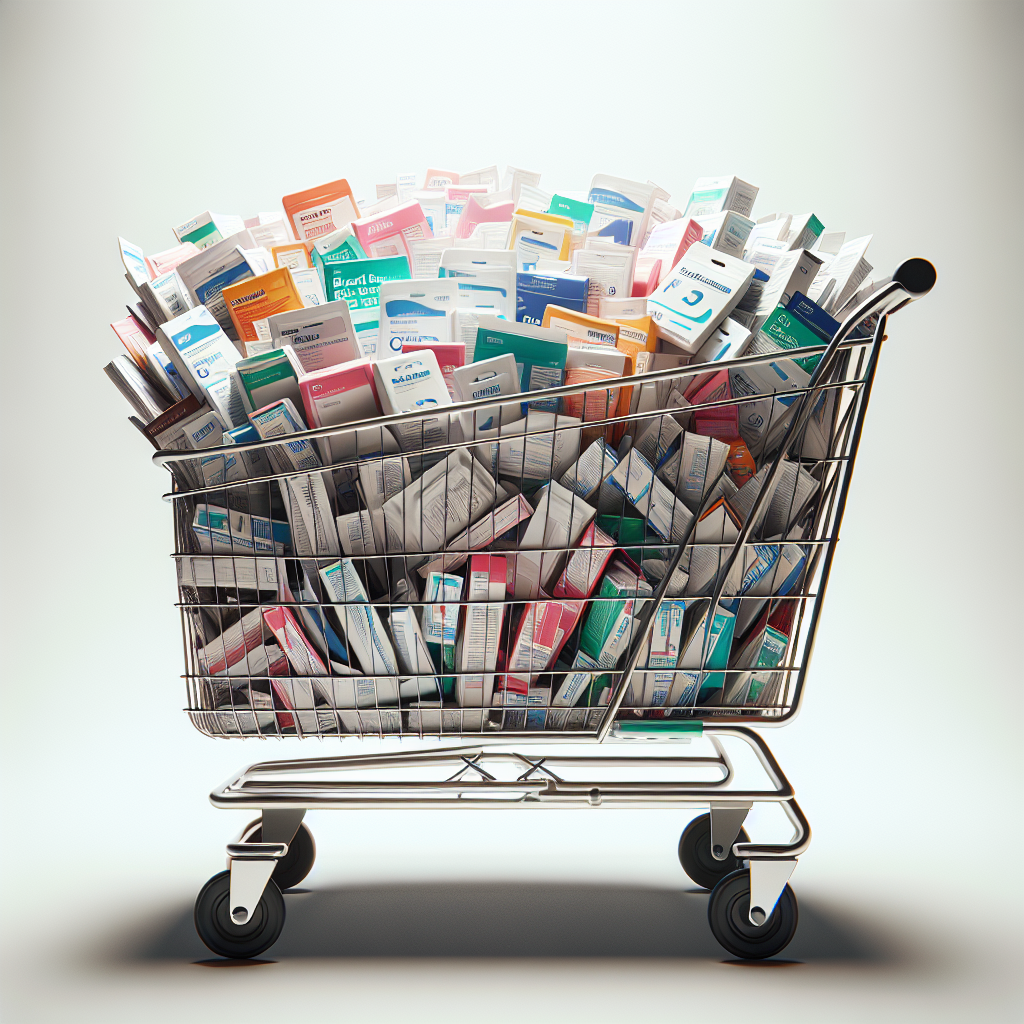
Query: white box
x,y
729,340
700,292
727,232
794,271
208,229
490,378
535,456
204,358
716,195
415,311
412,383
585,476
666,514
321,335
449,496
413,656
360,622
558,522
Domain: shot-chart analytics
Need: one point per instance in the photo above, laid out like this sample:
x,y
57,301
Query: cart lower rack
x,y
502,582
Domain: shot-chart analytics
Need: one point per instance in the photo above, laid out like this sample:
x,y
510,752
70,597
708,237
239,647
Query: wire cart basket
x,y
660,601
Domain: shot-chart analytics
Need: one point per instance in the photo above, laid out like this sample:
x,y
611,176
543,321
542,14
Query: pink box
x,y
646,277
301,654
167,260
340,394
389,233
669,242
543,631
474,213
461,193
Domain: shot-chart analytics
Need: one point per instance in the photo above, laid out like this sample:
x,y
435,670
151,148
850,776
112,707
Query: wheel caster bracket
x,y
280,824
726,822
249,877
768,877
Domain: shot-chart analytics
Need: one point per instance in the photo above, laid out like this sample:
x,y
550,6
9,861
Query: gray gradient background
x,y
901,119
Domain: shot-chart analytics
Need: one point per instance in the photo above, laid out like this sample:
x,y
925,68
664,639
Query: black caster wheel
x,y
695,854
727,915
293,867
212,917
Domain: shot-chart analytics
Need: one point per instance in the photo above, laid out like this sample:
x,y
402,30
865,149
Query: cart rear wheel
x,y
727,914
695,853
212,917
293,867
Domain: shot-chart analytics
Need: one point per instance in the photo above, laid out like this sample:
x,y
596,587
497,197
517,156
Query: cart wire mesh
x,y
718,577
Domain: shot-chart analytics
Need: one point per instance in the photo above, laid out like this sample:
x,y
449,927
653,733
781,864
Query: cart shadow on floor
x,y
511,919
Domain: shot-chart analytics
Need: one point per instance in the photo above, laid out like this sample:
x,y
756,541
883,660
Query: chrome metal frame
x,y
502,778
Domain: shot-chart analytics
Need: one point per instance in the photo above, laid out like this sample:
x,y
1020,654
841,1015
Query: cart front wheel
x,y
213,922
293,867
696,858
728,911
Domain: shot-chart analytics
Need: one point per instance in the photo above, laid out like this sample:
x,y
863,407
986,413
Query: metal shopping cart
x,y
496,715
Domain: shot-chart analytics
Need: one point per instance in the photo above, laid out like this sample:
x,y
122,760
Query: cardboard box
x,y
697,296
483,532
716,195
726,232
488,378
435,508
543,630
337,395
321,336
540,352
208,229
415,311
478,644
793,272
360,623
204,357
536,292
609,626
586,475
667,515
584,566
558,522
581,329
389,233
669,243
411,384
269,377
260,297
318,211
532,456
451,356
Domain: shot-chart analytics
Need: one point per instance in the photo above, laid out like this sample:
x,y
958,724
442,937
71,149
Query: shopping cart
x,y
493,720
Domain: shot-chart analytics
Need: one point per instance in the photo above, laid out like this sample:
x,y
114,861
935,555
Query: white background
x,y
901,119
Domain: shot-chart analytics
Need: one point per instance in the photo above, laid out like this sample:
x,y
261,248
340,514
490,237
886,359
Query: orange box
x,y
635,336
256,298
321,210
582,329
640,331
294,255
